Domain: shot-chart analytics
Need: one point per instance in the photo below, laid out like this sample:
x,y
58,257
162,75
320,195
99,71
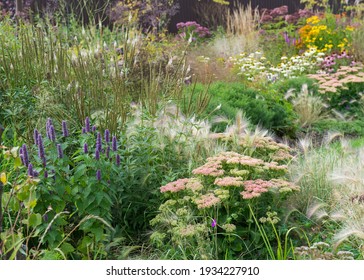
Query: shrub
x,y
65,200
261,109
209,215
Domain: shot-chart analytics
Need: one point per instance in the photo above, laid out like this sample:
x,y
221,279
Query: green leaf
x,y
51,255
17,162
35,220
67,248
80,171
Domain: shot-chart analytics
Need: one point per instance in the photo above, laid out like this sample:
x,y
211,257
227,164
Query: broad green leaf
x,y
35,219
67,248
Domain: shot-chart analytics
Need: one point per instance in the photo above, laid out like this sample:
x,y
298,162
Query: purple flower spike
x,y
25,155
41,152
65,129
22,159
60,151
93,128
98,174
118,160
30,170
98,142
87,125
83,130
48,124
45,174
85,148
97,154
107,136
52,133
213,224
36,133
114,143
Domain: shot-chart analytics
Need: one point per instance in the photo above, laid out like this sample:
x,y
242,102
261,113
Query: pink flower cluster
x,y
214,165
207,201
254,188
235,158
229,182
212,168
175,186
333,82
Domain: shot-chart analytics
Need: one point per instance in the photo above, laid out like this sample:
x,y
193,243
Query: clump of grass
x,y
309,108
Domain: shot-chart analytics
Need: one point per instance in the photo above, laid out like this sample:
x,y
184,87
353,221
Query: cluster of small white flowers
x,y
256,65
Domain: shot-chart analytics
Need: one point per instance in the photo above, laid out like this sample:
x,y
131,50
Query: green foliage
x,y
261,109
283,86
353,128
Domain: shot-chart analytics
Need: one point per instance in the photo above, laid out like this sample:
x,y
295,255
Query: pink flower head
x,y
175,186
229,182
207,201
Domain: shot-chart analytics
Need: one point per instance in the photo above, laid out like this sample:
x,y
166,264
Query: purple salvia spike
x,y
98,174
83,130
45,174
118,160
52,133
60,151
97,154
65,129
114,143
87,124
30,170
36,133
35,173
22,159
98,142
41,152
93,128
48,125
25,155
107,136
85,148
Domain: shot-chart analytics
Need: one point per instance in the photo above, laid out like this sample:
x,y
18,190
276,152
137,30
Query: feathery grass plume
x,y
310,108
310,171
240,125
243,21
331,136
305,144
352,229
316,210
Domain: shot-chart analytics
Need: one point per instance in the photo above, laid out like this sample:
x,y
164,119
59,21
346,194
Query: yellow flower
x,y
3,178
349,28
313,20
